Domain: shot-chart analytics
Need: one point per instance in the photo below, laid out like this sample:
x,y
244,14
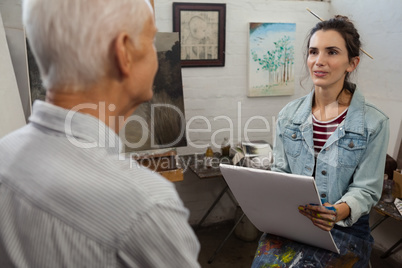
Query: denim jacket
x,y
350,166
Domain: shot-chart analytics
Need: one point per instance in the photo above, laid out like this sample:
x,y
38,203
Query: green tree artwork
x,y
271,61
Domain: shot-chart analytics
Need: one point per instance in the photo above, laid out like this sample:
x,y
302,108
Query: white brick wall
x,y
379,79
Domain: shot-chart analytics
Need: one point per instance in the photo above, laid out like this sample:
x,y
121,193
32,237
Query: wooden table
x,y
387,210
196,163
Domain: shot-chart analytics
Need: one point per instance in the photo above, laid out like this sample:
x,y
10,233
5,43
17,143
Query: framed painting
x,y
271,59
160,123
201,29
37,91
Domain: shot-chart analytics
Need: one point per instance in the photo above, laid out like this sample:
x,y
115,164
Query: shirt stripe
x,y
322,130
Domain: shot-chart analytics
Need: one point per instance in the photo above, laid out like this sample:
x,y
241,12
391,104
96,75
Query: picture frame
x,y
201,28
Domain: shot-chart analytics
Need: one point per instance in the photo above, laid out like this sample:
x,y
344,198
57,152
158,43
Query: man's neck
x,y
106,105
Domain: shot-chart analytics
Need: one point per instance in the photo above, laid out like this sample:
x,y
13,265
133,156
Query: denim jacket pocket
x,y
292,141
351,149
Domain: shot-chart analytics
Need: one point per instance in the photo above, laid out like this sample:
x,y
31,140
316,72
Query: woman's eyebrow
x,y
333,47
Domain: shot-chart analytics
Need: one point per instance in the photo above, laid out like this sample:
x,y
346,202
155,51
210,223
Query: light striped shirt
x,y
322,130
66,206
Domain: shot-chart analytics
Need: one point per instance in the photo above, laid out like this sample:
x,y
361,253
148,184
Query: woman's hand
x,y
325,217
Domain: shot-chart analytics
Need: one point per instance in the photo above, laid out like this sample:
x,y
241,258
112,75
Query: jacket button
x,y
294,136
323,195
323,172
351,144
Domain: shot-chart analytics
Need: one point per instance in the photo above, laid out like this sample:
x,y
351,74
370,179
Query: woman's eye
x,y
333,52
312,52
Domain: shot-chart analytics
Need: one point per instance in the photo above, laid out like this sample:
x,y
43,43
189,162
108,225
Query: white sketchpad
x,y
271,199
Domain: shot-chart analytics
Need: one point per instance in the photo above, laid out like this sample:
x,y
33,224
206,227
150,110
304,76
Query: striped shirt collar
x,y
354,122
336,119
83,129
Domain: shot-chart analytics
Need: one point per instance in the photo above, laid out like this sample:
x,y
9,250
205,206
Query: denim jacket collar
x,y
304,111
354,121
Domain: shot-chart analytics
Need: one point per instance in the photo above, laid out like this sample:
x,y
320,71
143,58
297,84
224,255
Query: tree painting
x,y
271,59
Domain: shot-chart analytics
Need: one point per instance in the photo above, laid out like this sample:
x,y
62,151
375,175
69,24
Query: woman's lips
x,y
319,73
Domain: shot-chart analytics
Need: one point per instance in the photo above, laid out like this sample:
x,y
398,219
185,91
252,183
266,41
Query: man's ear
x,y
123,51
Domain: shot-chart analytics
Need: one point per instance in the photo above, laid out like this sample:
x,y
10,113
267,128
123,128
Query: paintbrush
x,y
318,17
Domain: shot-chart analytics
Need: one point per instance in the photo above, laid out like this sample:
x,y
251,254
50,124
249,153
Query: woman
x,y
335,136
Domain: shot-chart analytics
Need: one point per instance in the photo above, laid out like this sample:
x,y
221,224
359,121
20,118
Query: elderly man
x,y
66,199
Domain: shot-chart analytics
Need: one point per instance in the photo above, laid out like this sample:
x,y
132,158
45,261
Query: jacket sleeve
x,y
366,187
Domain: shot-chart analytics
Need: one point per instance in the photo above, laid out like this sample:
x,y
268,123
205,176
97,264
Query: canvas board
x,y
11,111
160,123
271,199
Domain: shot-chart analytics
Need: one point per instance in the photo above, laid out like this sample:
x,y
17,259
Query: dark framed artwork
x,y
37,91
160,123
201,28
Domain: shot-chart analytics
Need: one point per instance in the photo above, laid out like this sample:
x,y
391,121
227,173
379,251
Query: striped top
x,y
322,130
67,200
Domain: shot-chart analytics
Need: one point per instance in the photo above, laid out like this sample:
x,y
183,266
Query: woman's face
x,y
328,60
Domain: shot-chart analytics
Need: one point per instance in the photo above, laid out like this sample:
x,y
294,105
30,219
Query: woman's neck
x,y
328,104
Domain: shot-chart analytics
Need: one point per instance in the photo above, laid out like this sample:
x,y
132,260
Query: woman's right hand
x,y
324,217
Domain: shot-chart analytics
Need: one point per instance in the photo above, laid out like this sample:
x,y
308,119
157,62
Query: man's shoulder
x,y
125,178
138,178
85,176
13,135
123,193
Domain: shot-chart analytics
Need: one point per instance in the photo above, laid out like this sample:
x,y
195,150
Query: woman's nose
x,y
320,59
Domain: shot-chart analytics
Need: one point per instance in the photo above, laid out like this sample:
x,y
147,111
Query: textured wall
x,y
380,80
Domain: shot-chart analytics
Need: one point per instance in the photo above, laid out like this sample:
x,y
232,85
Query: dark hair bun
x,y
341,17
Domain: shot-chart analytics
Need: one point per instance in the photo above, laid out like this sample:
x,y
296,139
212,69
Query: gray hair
x,y
71,39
